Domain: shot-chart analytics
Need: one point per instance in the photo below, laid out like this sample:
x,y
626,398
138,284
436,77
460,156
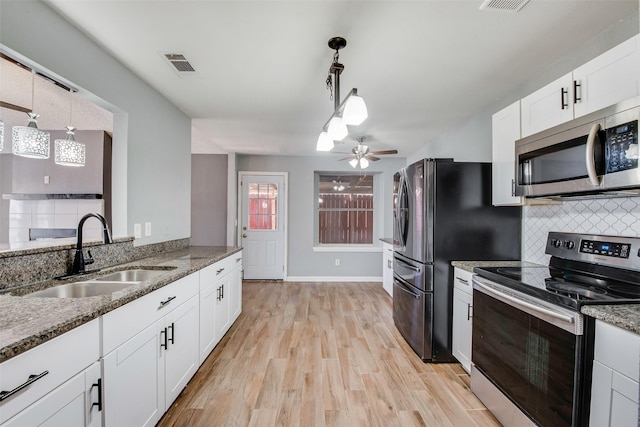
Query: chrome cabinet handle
x,y
219,271
167,301
30,380
590,155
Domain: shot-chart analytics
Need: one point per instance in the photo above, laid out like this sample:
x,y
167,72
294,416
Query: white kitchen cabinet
x,y
69,405
505,131
387,267
462,317
609,78
155,352
53,375
235,293
616,377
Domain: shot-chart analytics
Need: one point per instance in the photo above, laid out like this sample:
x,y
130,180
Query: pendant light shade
x,y
353,162
68,152
355,110
1,135
337,129
324,142
29,141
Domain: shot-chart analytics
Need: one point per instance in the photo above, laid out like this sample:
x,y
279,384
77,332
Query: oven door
x,y
530,351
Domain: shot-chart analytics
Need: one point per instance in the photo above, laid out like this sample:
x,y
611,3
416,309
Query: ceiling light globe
x,y
353,162
364,163
337,129
324,142
355,111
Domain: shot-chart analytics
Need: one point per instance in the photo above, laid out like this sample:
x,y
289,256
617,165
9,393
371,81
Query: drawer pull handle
x,y
99,402
167,301
220,271
163,339
238,259
32,379
466,282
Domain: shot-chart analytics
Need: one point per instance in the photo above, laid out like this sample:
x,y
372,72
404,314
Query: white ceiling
x,y
422,66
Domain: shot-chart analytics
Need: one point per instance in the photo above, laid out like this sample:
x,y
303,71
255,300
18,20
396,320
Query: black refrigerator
x,y
442,212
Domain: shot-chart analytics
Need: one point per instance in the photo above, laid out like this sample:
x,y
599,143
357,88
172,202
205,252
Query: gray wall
x,y
151,139
209,199
302,260
471,141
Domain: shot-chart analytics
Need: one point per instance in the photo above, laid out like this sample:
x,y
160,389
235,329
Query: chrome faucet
x,y
78,261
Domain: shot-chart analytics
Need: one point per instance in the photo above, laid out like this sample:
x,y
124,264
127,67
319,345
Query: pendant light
x,y
324,142
69,152
29,141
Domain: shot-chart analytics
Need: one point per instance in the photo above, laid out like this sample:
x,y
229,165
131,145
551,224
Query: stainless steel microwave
x,y
592,156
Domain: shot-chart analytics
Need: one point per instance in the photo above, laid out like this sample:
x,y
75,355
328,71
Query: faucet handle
x,y
88,260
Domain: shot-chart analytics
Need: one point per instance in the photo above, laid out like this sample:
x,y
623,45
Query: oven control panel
x,y
619,250
615,251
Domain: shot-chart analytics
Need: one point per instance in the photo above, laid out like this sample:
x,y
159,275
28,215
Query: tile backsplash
x,y
615,217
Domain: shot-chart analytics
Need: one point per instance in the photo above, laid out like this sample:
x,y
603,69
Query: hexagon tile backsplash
x,y
614,217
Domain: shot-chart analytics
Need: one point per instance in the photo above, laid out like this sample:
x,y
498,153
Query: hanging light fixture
x,y
69,152
29,141
352,111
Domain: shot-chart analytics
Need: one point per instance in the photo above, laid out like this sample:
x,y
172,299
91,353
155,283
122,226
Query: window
x,y
263,206
345,209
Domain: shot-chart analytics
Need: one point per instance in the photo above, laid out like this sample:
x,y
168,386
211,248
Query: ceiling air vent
x,y
179,62
503,5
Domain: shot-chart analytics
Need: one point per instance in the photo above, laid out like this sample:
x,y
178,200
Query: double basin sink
x,y
102,285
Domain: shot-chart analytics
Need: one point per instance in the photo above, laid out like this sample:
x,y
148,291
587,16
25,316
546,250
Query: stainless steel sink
x,y
136,275
81,289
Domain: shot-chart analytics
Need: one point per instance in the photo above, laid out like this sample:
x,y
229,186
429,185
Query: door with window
x,y
262,225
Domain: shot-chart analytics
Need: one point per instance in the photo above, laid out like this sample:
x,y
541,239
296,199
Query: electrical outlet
x,y
137,231
147,229
337,262
46,179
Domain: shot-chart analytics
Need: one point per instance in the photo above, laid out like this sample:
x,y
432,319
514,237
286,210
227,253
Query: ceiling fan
x,y
362,155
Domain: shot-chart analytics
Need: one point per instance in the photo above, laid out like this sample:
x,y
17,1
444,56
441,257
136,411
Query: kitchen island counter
x,y
26,322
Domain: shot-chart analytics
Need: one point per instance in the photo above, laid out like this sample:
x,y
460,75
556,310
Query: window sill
x,y
347,248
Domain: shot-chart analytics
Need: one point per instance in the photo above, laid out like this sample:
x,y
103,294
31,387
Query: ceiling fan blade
x,y
347,158
382,152
370,157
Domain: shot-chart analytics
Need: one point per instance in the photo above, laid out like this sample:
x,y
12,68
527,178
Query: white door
x,y
262,225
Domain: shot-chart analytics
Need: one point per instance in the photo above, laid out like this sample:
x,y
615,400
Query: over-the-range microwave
x,y
592,156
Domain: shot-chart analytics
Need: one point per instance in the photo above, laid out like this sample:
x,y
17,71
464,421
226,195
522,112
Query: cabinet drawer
x,y
462,280
125,322
609,342
62,358
211,273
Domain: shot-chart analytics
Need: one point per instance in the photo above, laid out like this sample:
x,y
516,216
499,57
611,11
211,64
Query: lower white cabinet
x,y
144,374
387,267
51,384
616,375
462,317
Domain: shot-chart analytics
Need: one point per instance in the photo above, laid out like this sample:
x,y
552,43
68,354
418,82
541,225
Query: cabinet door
x,y
207,325
131,381
235,294
387,268
548,106
461,332
505,131
180,356
94,400
610,78
222,306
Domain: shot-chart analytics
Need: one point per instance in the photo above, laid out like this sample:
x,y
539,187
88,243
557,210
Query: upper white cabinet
x,y
614,390
505,131
609,78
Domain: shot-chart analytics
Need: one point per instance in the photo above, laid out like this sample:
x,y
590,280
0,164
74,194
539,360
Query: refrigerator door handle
x,y
407,265
404,288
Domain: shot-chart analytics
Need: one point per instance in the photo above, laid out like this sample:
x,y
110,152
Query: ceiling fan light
x,y
324,142
353,162
337,130
355,111
364,163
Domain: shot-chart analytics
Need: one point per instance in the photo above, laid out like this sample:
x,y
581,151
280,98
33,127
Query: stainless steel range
x,y
532,351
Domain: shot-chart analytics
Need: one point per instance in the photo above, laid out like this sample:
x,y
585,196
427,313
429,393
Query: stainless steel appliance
x,y
532,350
442,213
593,155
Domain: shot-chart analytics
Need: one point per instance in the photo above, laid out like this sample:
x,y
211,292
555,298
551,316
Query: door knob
x,y
244,235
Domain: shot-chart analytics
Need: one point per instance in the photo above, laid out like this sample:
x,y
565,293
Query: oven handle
x,y
590,155
517,302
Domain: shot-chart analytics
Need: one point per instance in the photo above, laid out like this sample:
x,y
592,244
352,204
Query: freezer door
x,y
412,310
415,273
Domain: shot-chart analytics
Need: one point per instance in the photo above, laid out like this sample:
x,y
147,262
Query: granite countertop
x,y
26,322
388,240
625,316
470,265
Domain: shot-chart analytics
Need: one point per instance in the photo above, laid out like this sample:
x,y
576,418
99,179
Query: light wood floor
x,y
322,354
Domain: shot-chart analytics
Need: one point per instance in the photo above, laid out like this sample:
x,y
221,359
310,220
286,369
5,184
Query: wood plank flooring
x,y
322,354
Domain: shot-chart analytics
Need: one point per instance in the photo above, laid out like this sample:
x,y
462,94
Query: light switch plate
x,y
147,229
137,231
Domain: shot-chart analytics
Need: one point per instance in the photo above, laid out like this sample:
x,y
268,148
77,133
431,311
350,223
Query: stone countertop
x,y
26,322
625,316
388,240
470,265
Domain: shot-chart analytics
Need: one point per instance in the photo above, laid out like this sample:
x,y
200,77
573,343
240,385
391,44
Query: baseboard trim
x,y
333,279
